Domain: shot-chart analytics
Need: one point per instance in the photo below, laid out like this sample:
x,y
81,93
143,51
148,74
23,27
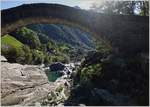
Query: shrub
x,y
9,52
103,47
28,37
38,56
47,59
28,54
90,71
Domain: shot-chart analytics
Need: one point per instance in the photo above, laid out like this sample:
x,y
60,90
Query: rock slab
x,y
22,84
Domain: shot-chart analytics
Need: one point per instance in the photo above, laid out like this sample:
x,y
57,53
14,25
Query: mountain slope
x,y
9,40
47,43
11,48
64,34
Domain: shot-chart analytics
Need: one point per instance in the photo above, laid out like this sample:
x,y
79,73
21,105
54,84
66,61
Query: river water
x,y
54,75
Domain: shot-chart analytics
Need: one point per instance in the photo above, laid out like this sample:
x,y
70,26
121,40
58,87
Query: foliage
x,y
62,34
28,37
59,58
116,74
64,48
47,59
103,47
123,7
92,65
89,72
59,89
15,51
9,52
9,40
36,46
38,56
28,54
144,8
11,48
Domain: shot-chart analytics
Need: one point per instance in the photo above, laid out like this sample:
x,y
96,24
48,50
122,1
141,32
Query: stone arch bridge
x,y
126,33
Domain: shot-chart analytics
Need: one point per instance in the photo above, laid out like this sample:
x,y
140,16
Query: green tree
x,y
28,37
20,58
28,54
9,52
144,7
38,56
122,7
47,59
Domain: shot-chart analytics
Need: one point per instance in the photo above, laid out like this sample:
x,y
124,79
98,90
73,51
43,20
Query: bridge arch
x,y
27,21
43,13
119,30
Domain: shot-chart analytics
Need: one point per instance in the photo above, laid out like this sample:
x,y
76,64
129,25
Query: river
x,y
67,71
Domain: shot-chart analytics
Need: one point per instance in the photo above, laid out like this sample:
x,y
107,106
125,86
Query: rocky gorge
x,y
54,74
55,55
39,63
29,85
88,83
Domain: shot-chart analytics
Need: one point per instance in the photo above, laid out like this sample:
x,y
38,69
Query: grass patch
x,y
9,40
11,48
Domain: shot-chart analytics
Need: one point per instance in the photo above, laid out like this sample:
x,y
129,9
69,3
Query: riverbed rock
x,y
3,59
59,94
28,85
22,84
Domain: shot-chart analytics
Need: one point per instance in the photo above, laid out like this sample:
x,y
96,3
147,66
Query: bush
x,y
103,47
38,56
28,37
47,59
9,52
64,48
89,72
28,54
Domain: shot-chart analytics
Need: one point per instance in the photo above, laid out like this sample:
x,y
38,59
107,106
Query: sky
x,y
84,4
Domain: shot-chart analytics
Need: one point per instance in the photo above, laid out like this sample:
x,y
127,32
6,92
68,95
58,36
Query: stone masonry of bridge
x,y
125,33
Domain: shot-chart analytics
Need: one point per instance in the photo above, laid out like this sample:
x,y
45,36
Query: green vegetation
x,y
28,54
29,37
24,46
38,56
104,69
123,7
59,89
9,40
92,65
11,48
103,47
91,71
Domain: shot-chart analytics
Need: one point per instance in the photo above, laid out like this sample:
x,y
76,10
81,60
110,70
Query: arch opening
x,y
42,35
9,27
47,44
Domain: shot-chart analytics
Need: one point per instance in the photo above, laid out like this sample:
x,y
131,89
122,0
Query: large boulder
x,y
3,59
28,85
59,94
22,84
57,66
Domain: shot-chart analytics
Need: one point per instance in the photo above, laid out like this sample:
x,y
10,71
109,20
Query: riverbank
x,y
29,85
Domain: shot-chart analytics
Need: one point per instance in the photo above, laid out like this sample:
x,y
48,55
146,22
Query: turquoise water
x,y
52,76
